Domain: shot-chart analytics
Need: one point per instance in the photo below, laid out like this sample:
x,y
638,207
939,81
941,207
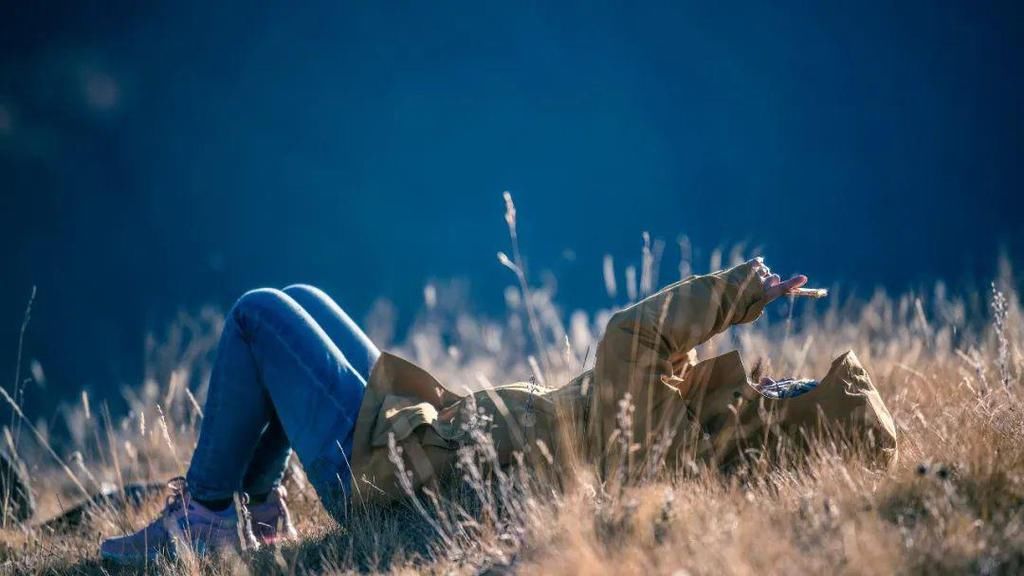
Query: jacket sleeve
x,y
643,342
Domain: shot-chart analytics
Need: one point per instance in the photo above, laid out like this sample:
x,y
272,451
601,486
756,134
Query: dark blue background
x,y
154,158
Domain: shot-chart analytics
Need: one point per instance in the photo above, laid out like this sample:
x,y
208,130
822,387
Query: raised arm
x,y
649,339
667,325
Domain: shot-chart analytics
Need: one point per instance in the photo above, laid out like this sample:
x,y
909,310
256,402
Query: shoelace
x,y
247,537
242,507
178,495
282,507
282,495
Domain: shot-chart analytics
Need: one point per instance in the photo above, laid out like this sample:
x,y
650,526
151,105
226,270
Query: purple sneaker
x,y
271,521
183,523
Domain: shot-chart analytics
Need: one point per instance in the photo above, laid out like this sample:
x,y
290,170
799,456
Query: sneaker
x,y
183,523
271,521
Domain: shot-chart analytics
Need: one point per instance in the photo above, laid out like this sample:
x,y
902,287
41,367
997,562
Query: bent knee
x,y
260,299
301,289
314,300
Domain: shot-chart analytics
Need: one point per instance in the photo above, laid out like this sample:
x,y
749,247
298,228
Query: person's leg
x,y
268,464
360,352
275,363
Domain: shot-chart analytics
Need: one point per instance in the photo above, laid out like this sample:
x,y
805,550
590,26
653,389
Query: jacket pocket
x,y
403,415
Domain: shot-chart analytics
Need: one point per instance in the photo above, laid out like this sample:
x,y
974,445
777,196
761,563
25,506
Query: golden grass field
x,y
948,365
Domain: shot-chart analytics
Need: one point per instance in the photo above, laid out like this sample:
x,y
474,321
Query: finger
x,y
772,281
760,267
782,288
793,283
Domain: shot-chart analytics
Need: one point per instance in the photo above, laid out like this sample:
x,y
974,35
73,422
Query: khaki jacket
x,y
674,411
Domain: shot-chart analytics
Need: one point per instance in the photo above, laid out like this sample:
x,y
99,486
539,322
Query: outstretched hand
x,y
774,286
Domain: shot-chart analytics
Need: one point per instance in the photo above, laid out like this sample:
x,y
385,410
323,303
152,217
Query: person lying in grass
x,y
295,373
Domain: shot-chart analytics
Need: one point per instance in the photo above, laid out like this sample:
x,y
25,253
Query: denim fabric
x,y
290,374
787,388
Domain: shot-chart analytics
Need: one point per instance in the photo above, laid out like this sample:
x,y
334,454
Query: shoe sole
x,y
170,553
276,539
129,560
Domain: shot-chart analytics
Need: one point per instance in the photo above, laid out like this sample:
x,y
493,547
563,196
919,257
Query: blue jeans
x,y
290,374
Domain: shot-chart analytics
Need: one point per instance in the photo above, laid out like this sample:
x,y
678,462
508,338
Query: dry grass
x,y
949,368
